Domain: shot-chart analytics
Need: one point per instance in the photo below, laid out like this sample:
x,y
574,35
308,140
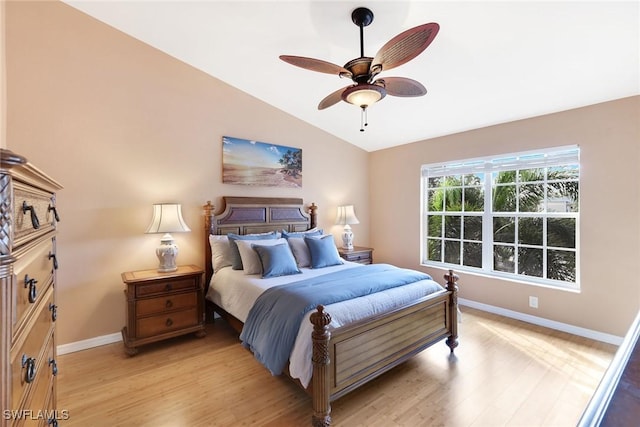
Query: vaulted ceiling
x,y
492,62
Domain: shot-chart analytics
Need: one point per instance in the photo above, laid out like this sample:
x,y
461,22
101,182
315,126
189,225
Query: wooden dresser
x,y
28,264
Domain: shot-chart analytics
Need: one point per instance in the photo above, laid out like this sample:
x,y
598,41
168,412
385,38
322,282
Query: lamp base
x,y
167,253
347,238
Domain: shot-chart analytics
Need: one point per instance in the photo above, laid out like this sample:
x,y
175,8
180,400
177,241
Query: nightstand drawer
x,y
164,286
358,257
358,254
163,304
155,325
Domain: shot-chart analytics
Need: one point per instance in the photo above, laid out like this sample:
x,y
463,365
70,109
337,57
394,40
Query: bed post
x,y
320,359
452,278
313,213
209,223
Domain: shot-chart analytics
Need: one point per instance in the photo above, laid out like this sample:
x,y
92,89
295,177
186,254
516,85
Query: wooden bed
x,y
347,357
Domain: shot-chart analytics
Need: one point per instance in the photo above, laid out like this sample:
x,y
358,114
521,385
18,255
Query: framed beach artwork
x,y
249,162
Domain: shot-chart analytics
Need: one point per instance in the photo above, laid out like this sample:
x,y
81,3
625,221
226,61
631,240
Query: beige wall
x,y
609,138
121,126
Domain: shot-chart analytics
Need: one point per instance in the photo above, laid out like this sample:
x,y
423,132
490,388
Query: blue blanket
x,y
272,326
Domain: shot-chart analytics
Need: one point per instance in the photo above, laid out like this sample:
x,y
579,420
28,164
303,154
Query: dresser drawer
x,y
33,213
28,359
33,276
163,304
37,408
154,325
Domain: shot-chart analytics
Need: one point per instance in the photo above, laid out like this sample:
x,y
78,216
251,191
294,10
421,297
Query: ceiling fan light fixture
x,y
363,95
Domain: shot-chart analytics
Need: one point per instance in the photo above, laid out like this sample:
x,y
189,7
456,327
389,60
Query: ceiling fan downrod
x,y
362,17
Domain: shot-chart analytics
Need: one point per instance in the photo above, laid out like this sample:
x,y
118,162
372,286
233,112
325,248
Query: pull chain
x,y
363,119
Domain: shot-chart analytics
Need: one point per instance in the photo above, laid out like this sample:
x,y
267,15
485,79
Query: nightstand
x,y
358,254
162,305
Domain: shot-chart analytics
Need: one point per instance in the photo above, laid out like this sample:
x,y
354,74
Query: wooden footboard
x,y
347,357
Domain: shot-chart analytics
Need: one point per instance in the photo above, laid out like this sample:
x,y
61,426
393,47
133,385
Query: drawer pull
x,y
31,283
168,304
30,364
169,322
34,218
55,212
54,366
55,260
54,311
168,287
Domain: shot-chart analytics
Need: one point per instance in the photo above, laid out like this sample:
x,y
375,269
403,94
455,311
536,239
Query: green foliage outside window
x,y
533,214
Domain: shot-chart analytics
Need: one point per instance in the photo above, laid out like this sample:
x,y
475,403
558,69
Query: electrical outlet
x,y
533,302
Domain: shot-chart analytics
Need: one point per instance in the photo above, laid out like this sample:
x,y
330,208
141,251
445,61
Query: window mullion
x,y
487,224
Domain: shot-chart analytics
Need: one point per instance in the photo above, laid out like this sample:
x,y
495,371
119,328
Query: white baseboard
x,y
90,343
540,321
575,330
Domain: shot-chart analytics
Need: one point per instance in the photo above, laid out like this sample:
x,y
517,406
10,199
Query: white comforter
x,y
236,292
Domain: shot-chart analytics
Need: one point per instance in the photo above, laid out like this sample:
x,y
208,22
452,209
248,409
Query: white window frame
x,y
559,156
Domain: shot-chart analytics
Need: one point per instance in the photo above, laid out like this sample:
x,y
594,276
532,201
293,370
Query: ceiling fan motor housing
x,y
359,69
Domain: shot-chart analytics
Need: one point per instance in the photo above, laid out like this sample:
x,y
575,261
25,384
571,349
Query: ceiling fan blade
x,y
331,99
402,86
404,47
316,65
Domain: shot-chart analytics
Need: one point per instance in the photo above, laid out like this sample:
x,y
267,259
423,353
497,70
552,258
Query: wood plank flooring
x,y
505,373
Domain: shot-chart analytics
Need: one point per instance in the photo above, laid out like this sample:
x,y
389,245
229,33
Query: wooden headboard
x,y
247,215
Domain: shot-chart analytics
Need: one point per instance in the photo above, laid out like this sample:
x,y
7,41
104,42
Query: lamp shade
x,y
167,218
346,215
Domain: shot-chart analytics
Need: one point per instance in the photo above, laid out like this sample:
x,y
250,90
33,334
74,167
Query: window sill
x,y
504,278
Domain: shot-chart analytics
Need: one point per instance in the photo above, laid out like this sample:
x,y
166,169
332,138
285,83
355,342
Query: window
x,y
514,216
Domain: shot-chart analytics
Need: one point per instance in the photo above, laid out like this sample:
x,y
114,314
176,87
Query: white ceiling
x,y
492,62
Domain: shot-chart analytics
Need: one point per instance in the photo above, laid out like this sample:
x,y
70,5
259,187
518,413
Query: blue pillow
x,y
323,251
236,260
315,232
276,260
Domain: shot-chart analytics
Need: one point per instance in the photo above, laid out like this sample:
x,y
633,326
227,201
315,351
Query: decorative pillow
x,y
236,261
221,255
299,247
277,260
323,251
311,232
300,251
250,260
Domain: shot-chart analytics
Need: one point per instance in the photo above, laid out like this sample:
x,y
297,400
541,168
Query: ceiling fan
x,y
366,90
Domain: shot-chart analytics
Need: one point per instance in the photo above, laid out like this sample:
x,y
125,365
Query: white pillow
x,y
221,254
250,260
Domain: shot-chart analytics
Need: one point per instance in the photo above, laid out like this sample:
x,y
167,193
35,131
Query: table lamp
x,y
346,216
167,218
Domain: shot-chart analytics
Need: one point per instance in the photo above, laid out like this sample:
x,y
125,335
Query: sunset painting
x,y
259,163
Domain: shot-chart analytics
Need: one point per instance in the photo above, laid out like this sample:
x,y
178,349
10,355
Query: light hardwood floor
x,y
505,373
